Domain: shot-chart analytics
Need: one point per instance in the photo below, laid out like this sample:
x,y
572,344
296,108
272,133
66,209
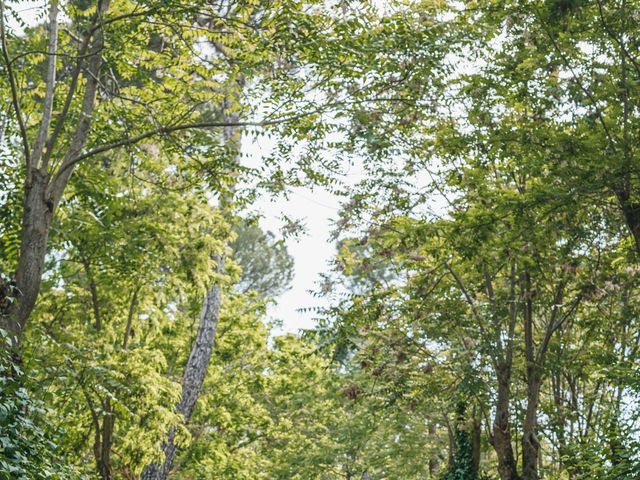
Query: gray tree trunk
x,y
193,377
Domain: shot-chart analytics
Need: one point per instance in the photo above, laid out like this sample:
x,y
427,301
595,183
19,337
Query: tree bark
x,y
36,223
530,443
103,462
192,378
507,466
476,433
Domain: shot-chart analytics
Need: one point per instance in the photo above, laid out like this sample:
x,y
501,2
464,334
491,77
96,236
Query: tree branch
x,y
618,41
12,83
132,309
467,296
79,138
555,326
82,53
584,89
165,131
50,86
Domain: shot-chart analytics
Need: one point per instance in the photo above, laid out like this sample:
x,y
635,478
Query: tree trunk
x,y
507,466
530,443
36,223
631,212
192,378
434,462
103,461
43,193
476,433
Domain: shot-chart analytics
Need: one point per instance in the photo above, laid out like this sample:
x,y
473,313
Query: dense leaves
x,y
483,298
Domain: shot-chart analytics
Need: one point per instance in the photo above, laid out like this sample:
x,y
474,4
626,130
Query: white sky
x,y
316,209
310,251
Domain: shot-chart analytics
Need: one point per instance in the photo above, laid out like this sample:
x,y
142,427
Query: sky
x,y
310,251
316,209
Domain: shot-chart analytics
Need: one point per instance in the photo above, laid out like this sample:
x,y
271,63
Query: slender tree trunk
x,y
624,189
198,363
192,378
102,435
451,444
103,461
129,325
476,433
530,443
434,462
93,289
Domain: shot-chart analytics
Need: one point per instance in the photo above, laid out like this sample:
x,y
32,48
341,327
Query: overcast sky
x,y
310,251
316,209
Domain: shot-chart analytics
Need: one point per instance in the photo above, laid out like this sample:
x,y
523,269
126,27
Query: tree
x,y
267,268
137,62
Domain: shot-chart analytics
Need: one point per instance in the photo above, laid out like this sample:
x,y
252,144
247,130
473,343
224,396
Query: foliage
x,y
266,266
484,292
29,446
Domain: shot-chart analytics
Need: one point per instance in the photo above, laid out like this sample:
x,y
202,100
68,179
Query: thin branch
x,y
132,309
466,294
167,130
584,89
12,83
555,326
48,54
93,289
625,52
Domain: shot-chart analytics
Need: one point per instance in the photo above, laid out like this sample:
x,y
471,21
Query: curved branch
x,y
165,131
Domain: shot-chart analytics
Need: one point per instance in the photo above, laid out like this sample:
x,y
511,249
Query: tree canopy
x,y
482,297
